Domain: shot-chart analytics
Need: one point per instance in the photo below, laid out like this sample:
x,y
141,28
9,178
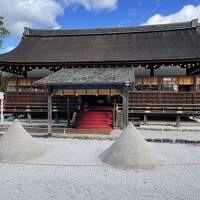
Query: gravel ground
x,y
153,134
72,170
190,135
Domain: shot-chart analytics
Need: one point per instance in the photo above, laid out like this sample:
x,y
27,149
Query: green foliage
x,y
3,31
2,88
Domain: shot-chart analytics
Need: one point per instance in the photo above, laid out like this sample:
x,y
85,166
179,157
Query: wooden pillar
x,y
68,111
49,114
29,116
17,91
125,107
178,120
194,89
145,119
159,90
17,84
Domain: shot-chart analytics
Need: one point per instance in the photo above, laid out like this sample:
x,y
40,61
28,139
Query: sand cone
x,y
17,145
131,151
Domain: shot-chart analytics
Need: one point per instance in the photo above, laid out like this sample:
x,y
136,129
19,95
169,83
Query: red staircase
x,y
97,119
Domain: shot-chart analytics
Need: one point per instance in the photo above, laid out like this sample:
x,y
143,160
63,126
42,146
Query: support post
x,y
194,89
125,108
29,116
2,117
178,120
50,114
145,119
68,112
2,99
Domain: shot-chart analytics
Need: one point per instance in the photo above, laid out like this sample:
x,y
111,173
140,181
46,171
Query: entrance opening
x,y
98,112
99,100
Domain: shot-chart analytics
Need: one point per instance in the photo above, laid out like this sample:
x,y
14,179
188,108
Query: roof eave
x,y
152,61
79,84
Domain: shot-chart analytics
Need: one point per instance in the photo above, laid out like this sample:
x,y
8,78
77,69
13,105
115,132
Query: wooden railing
x,y
138,102
164,102
175,98
155,109
36,102
170,109
159,103
36,107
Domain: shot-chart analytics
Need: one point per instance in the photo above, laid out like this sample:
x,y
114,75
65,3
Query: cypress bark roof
x,y
180,41
85,76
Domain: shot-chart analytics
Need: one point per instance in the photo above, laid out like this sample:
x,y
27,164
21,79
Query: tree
x,y
3,31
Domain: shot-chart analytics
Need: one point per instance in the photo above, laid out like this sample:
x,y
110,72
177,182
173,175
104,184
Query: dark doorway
x,y
99,100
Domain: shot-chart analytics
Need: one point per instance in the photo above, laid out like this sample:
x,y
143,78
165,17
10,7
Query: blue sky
x,y
48,14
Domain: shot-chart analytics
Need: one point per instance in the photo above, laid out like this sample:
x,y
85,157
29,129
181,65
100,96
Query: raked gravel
x,y
72,170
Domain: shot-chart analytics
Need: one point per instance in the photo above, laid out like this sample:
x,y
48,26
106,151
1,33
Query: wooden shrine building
x,y
165,59
87,81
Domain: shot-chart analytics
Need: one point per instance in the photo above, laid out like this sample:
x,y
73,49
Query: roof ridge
x,y
115,30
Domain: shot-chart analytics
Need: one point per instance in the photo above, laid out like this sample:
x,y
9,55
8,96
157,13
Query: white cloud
x,y
93,4
6,49
187,13
31,13
43,13
9,48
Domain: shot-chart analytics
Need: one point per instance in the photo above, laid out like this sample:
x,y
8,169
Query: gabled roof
x,y
87,76
158,43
